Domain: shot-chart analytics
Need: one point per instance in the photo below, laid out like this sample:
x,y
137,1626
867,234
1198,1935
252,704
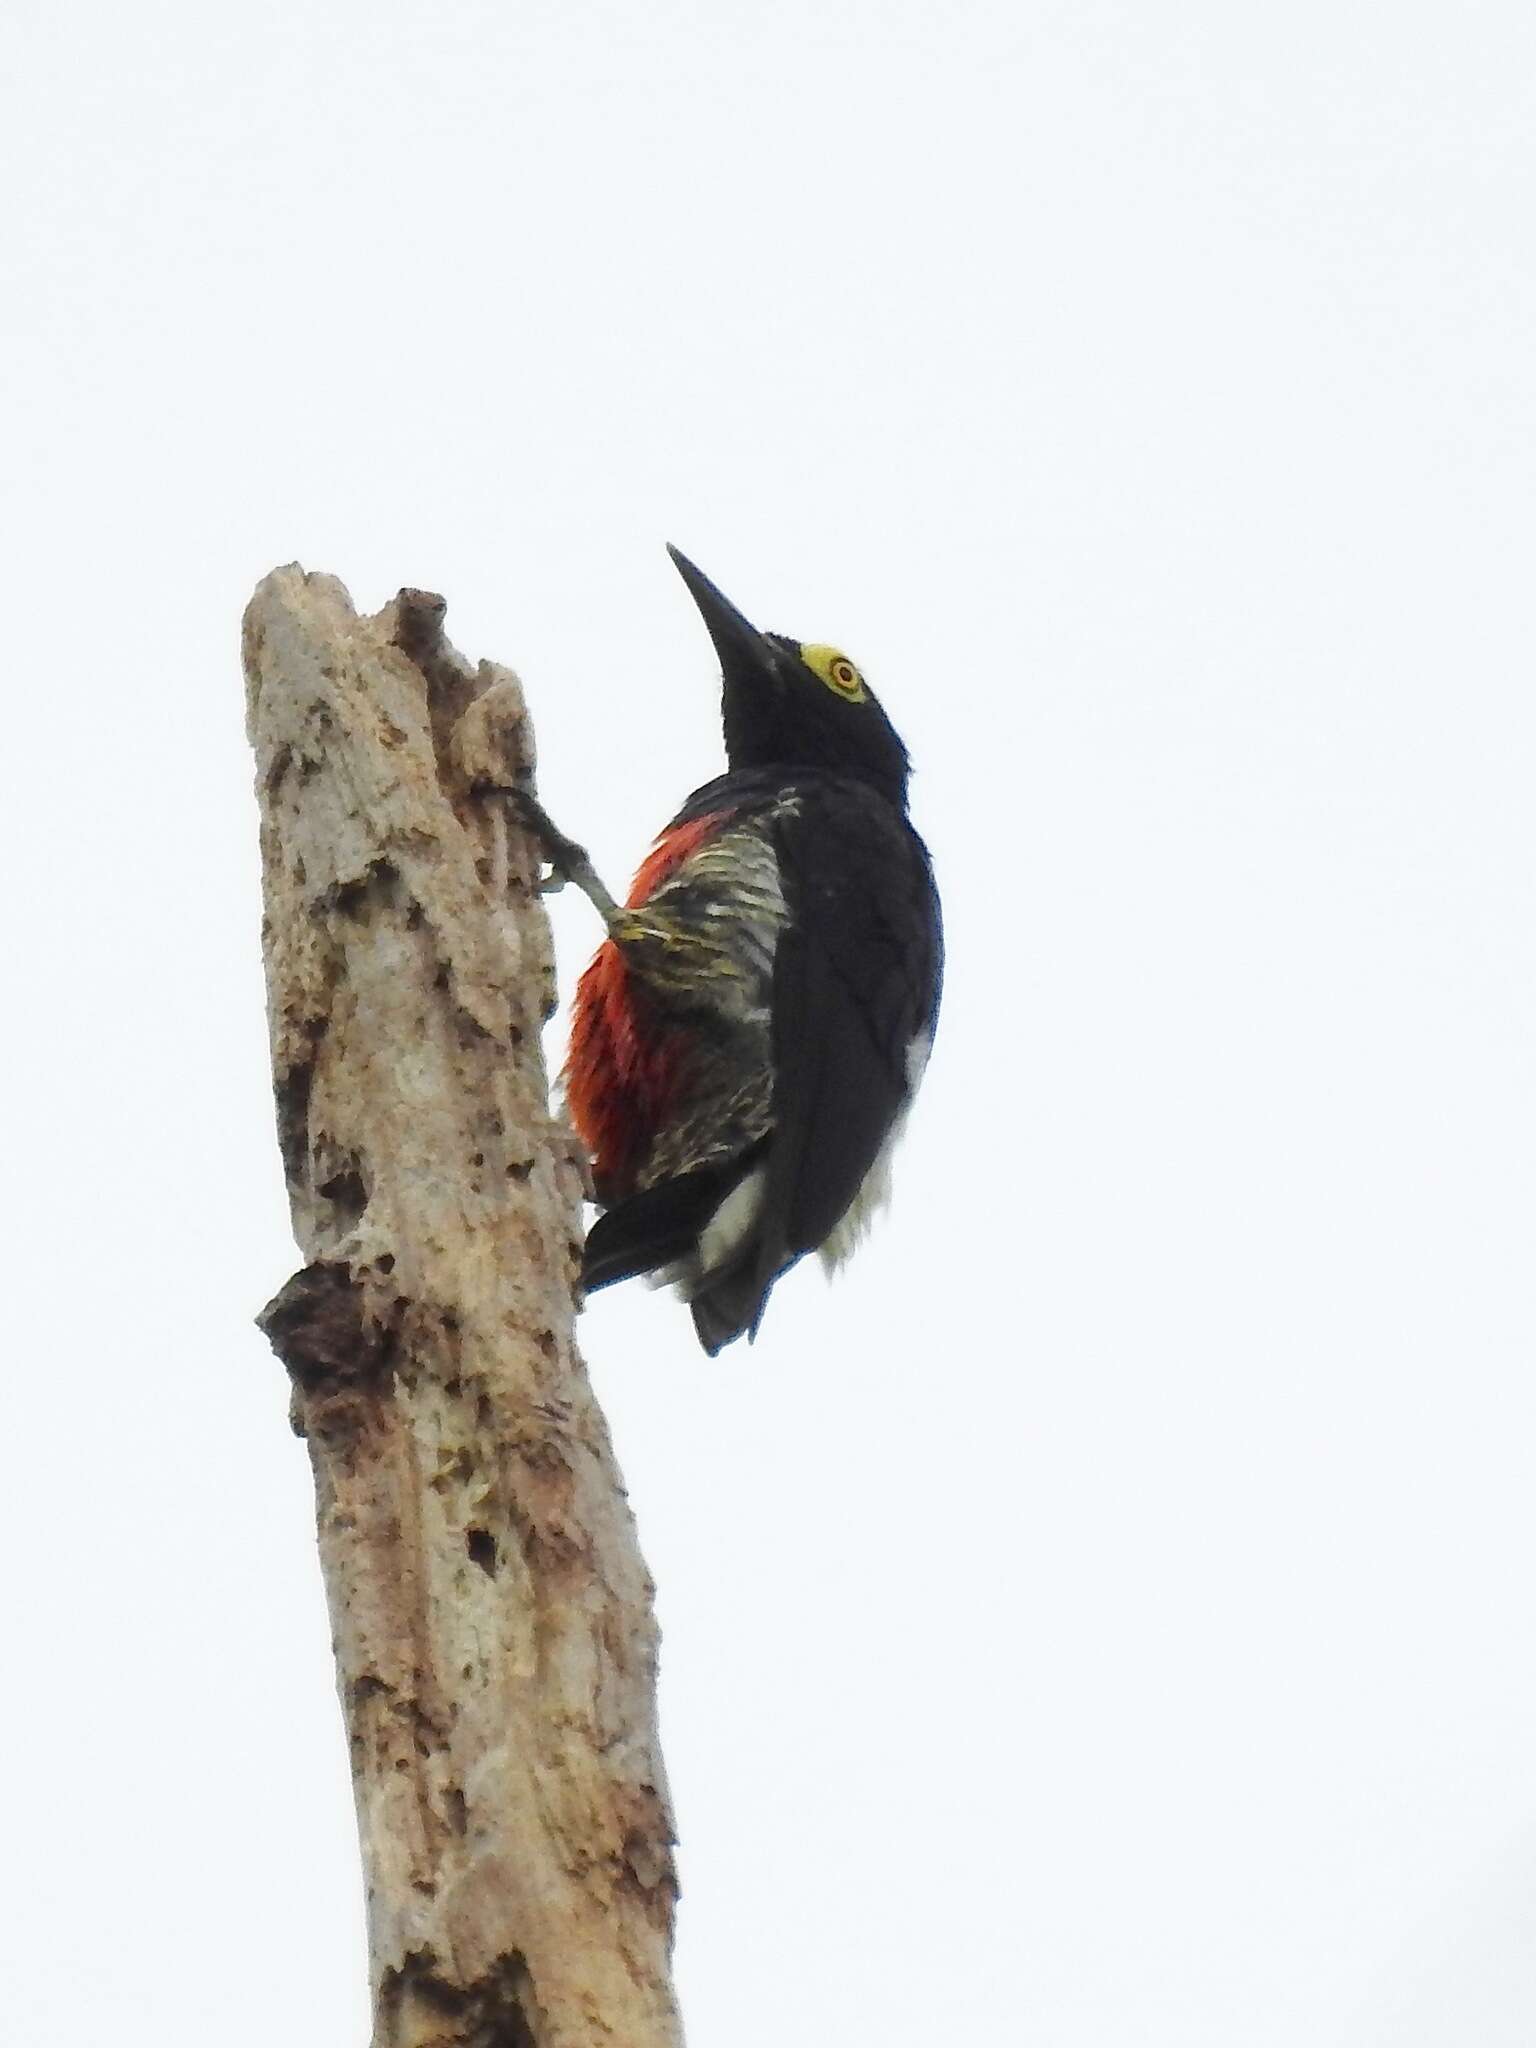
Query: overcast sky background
x,y
1105,1617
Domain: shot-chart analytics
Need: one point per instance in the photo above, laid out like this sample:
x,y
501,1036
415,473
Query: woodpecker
x,y
747,1041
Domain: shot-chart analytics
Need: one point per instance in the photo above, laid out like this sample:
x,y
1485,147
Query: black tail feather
x,y
661,1226
730,1303
651,1229
725,1307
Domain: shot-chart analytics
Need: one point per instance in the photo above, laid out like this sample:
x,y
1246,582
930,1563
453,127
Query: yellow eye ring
x,y
831,666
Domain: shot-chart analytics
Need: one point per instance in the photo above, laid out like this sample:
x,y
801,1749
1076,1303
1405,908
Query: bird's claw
x,y
567,861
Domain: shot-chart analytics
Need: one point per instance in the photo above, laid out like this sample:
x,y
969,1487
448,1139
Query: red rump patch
x,y
622,1070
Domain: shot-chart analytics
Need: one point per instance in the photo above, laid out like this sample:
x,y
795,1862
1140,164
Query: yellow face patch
x,y
837,672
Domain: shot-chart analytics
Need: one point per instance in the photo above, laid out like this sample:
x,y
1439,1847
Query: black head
x,y
793,705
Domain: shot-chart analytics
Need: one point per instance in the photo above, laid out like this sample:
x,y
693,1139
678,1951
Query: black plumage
x,y
747,1042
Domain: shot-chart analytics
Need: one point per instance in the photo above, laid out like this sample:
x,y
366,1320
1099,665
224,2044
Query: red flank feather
x,y
622,1068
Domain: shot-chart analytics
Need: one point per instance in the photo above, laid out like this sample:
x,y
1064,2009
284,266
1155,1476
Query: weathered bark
x,y
494,1638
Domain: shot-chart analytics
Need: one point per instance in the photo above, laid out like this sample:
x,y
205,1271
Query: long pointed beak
x,y
737,640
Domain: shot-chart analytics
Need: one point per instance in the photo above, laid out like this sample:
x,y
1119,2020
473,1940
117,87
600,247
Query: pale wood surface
x,y
492,1617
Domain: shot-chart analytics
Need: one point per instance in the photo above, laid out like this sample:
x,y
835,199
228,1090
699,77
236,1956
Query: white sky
x,y
1105,1619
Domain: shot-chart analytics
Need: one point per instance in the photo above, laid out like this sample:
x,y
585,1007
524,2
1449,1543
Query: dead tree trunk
x,y
495,1646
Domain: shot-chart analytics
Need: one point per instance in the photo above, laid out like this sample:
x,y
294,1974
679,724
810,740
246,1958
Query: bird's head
x,y
795,704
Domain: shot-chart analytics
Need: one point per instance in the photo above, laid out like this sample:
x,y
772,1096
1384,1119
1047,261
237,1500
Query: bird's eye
x,y
837,672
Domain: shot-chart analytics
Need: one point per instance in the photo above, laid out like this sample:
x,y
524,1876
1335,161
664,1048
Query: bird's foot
x,y
567,861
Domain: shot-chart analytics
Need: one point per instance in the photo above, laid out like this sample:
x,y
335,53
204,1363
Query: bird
x,y
749,1037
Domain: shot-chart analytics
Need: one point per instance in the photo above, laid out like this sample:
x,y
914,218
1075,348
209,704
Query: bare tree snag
x,y
495,1645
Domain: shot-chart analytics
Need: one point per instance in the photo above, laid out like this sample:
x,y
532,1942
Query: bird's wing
x,y
856,988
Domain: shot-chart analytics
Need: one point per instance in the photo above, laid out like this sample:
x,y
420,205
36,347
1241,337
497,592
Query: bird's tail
x,y
656,1228
666,1231
728,1304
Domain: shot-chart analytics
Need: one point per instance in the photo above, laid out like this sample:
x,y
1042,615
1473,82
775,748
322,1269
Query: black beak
x,y
742,649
